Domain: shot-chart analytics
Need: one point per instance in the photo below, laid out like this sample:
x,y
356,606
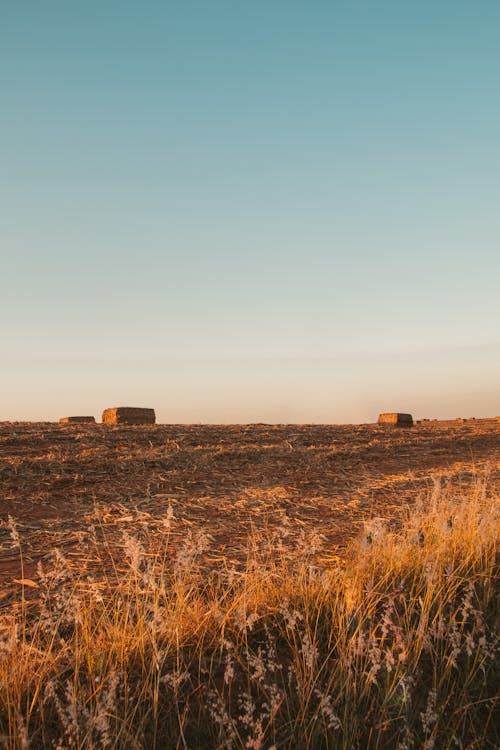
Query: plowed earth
x,y
79,488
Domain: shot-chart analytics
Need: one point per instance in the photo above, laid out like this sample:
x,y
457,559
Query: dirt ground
x,y
75,487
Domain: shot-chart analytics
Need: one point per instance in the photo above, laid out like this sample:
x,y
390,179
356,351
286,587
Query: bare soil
x,y
78,487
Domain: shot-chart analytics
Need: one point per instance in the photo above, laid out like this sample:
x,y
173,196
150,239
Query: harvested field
x,y
78,487
200,587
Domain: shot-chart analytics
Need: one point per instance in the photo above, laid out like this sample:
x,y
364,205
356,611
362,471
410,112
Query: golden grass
x,y
393,646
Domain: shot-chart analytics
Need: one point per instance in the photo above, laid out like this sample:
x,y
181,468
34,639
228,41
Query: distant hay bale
x,y
128,415
396,419
71,420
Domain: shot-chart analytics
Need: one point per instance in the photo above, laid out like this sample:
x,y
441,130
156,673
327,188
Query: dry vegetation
x,y
75,487
211,587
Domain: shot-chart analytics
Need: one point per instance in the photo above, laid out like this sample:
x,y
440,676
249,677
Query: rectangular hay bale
x,y
128,415
71,420
397,419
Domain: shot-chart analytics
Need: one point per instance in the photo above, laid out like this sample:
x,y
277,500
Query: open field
x,y
210,588
77,486
71,487
250,587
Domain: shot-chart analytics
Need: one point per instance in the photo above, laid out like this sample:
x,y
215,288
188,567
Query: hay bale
x,y
396,419
128,415
71,420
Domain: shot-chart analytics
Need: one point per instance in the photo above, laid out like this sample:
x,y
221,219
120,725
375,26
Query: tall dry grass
x,y
393,646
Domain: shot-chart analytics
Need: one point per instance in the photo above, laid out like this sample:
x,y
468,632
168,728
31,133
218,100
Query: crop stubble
x,y
78,488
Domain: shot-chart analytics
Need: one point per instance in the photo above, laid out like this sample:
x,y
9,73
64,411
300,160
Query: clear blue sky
x,y
260,211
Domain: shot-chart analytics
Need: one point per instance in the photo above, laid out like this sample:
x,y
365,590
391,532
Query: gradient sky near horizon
x,y
272,211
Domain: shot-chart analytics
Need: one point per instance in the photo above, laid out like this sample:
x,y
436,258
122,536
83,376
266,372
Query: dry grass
x,y
392,646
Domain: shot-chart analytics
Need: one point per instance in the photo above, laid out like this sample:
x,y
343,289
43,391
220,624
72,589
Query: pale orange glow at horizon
x,y
346,390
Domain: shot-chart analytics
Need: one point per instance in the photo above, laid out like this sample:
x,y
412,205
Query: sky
x,y
274,211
